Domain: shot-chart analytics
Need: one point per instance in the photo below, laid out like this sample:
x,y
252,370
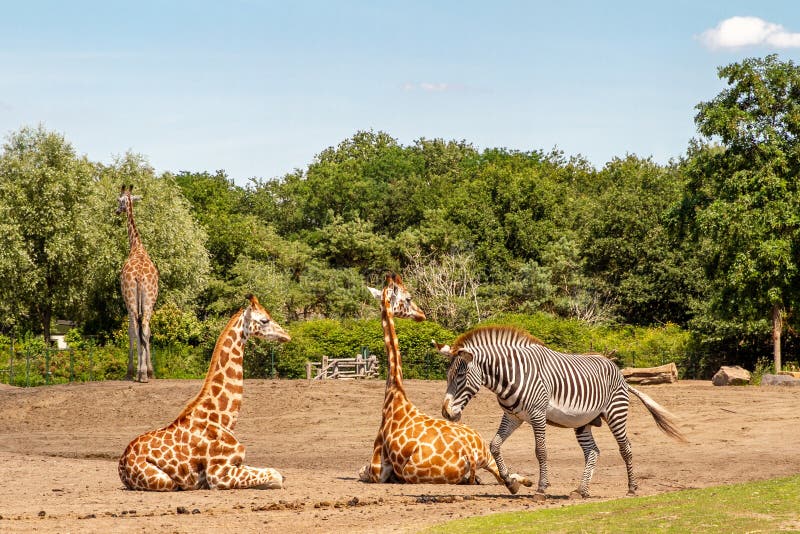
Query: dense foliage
x,y
695,261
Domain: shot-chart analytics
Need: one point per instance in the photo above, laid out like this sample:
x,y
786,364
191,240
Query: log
x,y
663,374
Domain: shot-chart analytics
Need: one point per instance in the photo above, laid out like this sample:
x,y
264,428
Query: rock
x,y
780,380
664,374
733,375
795,374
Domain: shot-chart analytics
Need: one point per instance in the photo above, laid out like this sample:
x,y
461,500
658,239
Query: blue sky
x,y
259,88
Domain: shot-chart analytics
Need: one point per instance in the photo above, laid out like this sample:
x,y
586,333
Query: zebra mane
x,y
510,335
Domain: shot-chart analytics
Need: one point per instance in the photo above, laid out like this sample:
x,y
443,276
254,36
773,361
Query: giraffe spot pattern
x,y
412,445
198,450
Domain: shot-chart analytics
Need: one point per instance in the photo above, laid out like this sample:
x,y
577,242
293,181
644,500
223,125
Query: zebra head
x,y
398,298
464,379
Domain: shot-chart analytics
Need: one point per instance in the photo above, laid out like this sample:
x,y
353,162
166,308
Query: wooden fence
x,y
343,368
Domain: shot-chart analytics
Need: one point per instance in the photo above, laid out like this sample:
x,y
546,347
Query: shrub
x,y
347,338
631,346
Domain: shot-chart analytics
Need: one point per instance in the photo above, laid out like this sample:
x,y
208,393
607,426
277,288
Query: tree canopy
x,y
708,241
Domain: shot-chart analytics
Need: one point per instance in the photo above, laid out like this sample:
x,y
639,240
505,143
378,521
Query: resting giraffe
x,y
198,450
411,446
139,283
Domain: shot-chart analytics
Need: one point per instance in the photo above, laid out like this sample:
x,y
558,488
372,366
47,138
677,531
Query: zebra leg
x,y
507,427
617,423
539,424
590,454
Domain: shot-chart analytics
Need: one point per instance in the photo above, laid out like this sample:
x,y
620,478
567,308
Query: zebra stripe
x,y
538,385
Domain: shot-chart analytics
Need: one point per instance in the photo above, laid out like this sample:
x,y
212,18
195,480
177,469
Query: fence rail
x,y
343,368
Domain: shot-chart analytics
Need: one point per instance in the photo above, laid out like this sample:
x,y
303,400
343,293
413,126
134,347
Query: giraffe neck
x,y
394,378
221,396
133,233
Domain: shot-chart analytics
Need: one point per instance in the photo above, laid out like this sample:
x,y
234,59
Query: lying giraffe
x,y
198,450
411,446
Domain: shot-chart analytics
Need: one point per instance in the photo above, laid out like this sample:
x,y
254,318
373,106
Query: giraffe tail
x,y
663,418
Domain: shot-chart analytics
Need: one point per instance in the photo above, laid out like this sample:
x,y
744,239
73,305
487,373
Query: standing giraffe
x,y
139,283
198,450
411,446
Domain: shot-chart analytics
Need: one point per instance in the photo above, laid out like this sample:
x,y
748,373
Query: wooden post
x,y
777,328
308,370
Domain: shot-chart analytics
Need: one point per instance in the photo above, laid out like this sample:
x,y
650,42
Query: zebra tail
x,y
662,417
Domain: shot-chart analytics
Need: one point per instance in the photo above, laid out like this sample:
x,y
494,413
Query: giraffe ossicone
x,y
198,449
412,447
139,285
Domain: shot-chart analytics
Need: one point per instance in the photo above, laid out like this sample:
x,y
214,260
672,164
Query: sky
x,y
259,88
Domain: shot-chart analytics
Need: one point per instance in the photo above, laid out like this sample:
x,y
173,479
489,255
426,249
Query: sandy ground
x,y
59,447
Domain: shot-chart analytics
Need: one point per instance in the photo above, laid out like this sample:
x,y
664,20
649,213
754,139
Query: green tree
x,y
44,224
747,208
630,252
174,240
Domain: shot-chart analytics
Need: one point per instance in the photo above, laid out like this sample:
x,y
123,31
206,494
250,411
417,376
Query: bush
x,y
631,346
347,338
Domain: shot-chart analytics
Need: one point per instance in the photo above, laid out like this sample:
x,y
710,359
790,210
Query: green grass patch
x,y
767,506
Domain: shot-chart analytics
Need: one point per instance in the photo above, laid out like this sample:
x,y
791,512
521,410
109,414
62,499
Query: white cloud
x,y
431,87
738,32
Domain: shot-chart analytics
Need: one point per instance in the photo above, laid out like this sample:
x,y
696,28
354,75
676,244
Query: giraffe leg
x,y
133,338
137,473
221,475
515,478
507,427
590,454
147,362
377,470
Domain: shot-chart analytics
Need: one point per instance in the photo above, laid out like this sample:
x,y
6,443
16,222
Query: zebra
x,y
540,386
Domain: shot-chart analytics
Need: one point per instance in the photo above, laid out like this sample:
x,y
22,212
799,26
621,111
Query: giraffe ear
x,y
122,190
377,293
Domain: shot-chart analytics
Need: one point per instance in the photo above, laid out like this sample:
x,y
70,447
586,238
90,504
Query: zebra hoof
x,y
578,494
631,493
538,497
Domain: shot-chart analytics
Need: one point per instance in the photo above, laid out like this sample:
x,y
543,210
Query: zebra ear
x,y
444,350
467,356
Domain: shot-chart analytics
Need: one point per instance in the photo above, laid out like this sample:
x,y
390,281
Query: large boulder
x,y
732,375
780,380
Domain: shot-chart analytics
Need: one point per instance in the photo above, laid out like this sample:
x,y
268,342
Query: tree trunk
x,y
777,328
46,315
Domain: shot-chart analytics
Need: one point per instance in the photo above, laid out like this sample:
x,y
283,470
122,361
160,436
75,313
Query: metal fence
x,y
23,367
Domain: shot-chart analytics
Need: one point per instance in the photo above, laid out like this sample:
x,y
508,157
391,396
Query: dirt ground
x,y
59,447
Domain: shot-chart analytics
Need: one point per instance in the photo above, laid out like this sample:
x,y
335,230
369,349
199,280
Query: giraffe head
x,y
464,379
258,323
126,199
399,298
